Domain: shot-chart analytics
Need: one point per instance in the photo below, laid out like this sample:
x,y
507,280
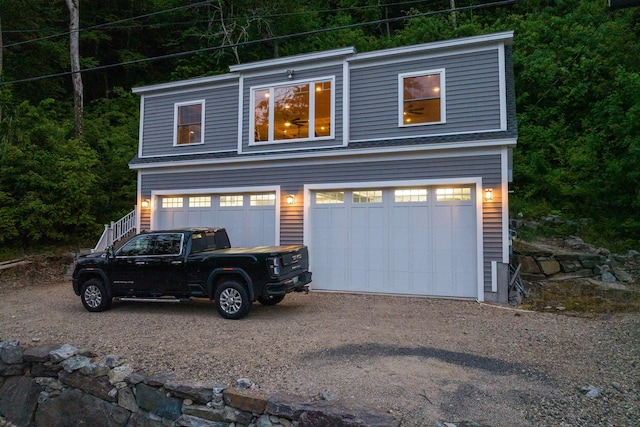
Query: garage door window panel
x,y
455,194
410,195
329,197
172,202
367,196
231,201
262,200
200,202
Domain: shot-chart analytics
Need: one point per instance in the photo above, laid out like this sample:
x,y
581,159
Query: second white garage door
x,y
250,218
414,241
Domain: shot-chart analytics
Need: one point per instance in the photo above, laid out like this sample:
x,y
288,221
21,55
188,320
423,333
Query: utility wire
x,y
110,25
94,27
268,39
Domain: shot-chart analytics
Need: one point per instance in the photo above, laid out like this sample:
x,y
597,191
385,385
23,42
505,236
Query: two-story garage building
x,y
392,166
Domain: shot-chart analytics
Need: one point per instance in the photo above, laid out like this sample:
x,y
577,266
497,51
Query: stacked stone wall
x,y
60,385
571,258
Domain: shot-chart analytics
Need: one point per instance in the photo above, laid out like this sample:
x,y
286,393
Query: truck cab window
x,y
141,245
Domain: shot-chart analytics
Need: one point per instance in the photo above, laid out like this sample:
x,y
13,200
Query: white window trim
x,y
176,107
443,97
271,88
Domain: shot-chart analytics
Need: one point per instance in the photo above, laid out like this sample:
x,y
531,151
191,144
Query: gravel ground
x,y
421,359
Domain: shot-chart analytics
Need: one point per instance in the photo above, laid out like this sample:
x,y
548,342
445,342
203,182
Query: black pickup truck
x,y
177,265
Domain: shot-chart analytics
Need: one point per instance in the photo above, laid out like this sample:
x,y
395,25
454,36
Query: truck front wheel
x,y
94,295
232,300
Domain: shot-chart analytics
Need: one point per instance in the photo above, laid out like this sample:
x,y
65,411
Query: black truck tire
x,y
232,300
94,295
270,299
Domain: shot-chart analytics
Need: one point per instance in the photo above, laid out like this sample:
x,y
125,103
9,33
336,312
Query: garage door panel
x,y
257,226
331,233
412,245
246,225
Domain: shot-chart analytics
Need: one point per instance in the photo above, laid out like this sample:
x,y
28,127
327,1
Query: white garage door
x,y
415,241
250,218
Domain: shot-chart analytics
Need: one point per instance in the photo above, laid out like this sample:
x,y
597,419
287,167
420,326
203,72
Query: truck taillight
x,y
274,265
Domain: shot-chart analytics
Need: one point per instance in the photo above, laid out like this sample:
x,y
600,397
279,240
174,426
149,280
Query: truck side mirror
x,y
111,253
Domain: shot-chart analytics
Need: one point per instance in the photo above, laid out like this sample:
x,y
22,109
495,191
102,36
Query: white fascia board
x,y
505,36
185,83
295,59
449,149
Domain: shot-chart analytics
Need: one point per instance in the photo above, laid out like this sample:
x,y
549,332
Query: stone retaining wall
x,y
59,385
575,259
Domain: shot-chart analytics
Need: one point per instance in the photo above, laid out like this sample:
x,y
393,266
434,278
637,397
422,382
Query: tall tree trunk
x,y
74,51
452,3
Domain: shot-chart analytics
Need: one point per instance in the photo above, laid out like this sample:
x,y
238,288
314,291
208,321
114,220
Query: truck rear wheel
x,y
94,295
270,299
232,300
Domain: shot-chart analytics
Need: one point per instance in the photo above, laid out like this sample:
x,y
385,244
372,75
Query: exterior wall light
x,y
291,200
145,204
488,194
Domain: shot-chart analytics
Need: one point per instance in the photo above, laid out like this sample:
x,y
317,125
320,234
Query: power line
x,y
94,27
267,39
110,25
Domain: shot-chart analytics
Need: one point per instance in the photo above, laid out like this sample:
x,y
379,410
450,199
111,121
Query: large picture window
x,y
189,123
422,98
298,111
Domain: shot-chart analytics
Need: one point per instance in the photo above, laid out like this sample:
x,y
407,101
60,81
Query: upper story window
x,y
189,123
293,112
422,98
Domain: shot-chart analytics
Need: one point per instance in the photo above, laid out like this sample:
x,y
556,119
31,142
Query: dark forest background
x,y
577,68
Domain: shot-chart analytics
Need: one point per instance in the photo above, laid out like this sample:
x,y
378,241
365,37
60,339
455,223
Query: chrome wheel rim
x,y
93,296
230,301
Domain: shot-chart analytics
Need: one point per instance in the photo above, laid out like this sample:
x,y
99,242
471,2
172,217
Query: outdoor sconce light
x,y
145,204
291,200
488,194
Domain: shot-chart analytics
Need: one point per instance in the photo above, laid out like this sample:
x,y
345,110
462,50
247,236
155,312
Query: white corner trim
x,y
502,87
139,201
141,127
479,238
240,112
494,276
504,158
346,104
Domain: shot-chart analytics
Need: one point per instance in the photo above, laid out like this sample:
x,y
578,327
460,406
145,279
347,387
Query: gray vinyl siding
x,y
220,128
335,71
292,181
472,96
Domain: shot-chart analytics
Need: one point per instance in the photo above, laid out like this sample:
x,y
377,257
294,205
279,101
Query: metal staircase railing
x,y
116,230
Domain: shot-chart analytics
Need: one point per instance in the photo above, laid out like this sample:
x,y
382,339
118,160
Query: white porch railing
x,y
116,230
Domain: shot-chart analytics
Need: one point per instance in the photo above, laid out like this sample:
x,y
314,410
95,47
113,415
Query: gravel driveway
x,y
421,359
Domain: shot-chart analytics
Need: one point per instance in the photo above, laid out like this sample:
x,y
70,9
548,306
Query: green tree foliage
x,y
46,180
577,85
